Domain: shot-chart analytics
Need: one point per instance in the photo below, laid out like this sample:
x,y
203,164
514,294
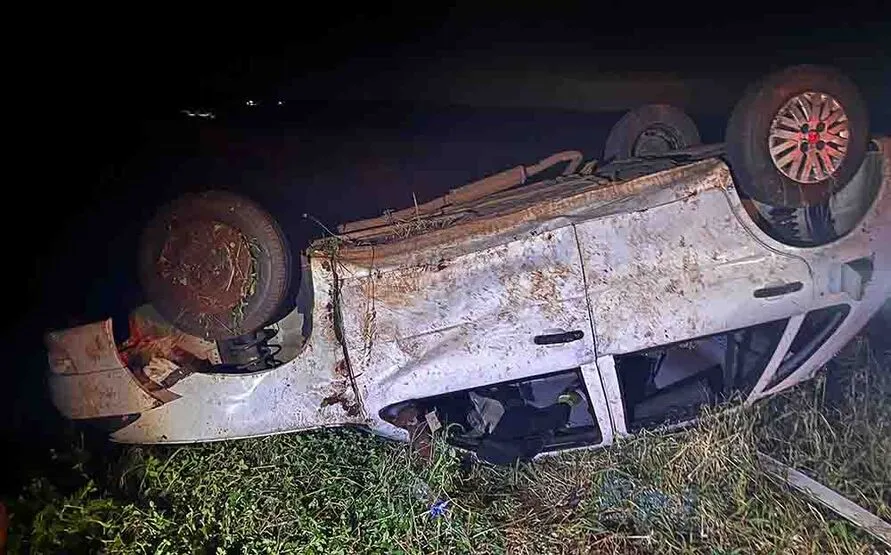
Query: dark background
x,y
375,107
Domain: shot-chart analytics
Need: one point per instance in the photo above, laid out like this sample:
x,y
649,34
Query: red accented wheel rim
x,y
808,138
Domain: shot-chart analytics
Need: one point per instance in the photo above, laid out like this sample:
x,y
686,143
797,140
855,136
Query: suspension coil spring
x,y
785,221
251,352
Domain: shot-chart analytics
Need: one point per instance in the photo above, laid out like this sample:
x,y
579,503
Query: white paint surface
x,y
680,263
683,270
289,398
415,332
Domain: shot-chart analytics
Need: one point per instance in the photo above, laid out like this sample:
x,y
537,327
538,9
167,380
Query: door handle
x,y
778,290
561,337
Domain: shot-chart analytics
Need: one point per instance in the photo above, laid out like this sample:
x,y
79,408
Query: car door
x,y
684,268
503,313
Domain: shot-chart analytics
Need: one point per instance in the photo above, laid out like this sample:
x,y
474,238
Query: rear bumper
x,y
91,379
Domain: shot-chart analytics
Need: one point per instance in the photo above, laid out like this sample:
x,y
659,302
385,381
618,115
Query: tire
x,y
648,130
241,274
787,177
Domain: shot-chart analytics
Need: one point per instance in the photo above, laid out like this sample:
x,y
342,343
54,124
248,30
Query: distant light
x,y
251,103
280,102
199,114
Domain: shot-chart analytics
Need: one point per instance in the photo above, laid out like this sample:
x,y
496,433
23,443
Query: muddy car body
x,y
568,280
551,306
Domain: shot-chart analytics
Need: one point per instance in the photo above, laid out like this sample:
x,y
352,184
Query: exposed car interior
x,y
517,419
672,384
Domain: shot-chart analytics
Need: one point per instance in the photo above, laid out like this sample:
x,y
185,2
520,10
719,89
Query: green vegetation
x,y
697,491
837,428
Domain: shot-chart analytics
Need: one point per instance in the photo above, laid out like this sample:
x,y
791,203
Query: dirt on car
x,y
207,266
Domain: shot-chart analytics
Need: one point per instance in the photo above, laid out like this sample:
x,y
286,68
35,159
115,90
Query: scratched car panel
x,y
443,307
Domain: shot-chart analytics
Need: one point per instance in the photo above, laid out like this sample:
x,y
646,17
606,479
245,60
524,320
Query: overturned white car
x,y
523,313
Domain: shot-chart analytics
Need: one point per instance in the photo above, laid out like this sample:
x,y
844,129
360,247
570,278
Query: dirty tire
x,y
261,290
650,129
752,124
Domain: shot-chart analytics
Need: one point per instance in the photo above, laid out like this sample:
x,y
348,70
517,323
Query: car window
x,y
673,383
817,327
514,420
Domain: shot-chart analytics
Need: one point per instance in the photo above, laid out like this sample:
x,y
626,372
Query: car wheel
x,y
215,264
797,136
648,130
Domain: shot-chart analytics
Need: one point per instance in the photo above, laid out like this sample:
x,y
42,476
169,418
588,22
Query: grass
x,y
698,491
838,427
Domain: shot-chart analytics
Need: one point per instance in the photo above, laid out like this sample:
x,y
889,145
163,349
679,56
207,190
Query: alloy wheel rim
x,y
808,138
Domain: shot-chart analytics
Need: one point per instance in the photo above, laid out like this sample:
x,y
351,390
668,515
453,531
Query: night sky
x,y
375,107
